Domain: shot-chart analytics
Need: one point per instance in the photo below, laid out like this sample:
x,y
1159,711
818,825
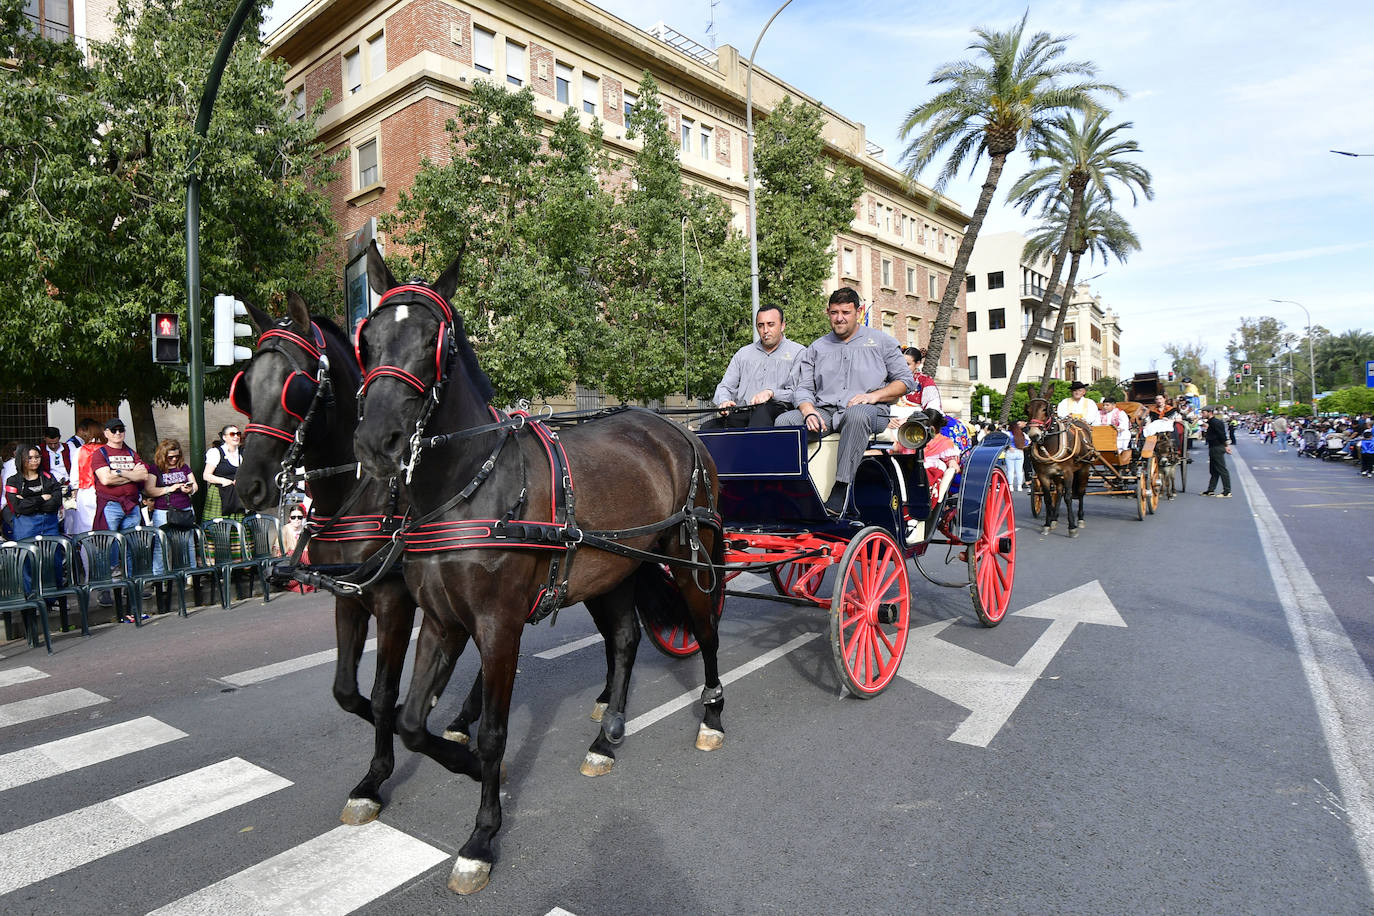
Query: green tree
x,y
988,105
1099,231
1186,359
525,214
674,291
1258,341
93,167
1073,161
808,199
1341,358
1349,401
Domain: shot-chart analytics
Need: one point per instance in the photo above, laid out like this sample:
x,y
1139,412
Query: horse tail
x,y
660,603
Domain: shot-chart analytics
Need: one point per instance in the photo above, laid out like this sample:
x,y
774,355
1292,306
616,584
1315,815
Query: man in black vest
x,y
1217,450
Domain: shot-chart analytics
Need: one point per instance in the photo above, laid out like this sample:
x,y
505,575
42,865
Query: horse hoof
x,y
468,876
597,710
1045,530
595,764
451,734
360,811
708,739
1073,532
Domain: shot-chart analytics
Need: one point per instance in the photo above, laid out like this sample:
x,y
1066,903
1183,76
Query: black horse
x,y
304,379
1062,453
498,503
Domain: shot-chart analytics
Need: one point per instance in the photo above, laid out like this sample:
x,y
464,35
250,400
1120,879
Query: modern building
x,y
1091,348
1002,290
395,70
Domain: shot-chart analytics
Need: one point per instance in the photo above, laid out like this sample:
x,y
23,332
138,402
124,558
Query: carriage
x,y
773,486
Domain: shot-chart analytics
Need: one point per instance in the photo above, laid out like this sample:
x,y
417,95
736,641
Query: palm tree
x,y
1099,231
1073,161
1011,90
1341,358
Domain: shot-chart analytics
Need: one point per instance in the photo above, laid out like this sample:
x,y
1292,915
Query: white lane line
x,y
641,722
51,704
573,646
292,665
19,676
56,757
1340,683
40,851
333,874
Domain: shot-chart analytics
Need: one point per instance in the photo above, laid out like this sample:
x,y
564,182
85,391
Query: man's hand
x,y
138,473
818,426
866,397
763,397
725,407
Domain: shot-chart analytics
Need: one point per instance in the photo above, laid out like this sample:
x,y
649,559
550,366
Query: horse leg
x,y
1067,491
500,647
614,613
395,612
704,609
1050,488
1081,492
460,728
603,699
350,626
436,651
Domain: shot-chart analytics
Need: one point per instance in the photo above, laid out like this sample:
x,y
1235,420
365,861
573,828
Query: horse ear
x,y
300,314
379,276
261,320
448,280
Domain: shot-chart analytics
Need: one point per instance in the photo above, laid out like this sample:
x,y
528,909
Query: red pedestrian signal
x,y
1245,369
166,343
1171,375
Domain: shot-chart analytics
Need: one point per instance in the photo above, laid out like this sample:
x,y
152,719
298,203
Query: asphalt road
x,y
1143,738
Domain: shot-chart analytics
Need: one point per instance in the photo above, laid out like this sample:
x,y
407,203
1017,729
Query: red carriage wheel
x,y
800,578
1037,500
870,612
675,641
992,558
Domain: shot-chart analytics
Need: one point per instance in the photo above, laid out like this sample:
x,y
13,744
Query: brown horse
x,y
1062,453
493,540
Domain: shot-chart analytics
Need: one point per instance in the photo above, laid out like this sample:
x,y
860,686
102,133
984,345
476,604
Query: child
x,y
1367,454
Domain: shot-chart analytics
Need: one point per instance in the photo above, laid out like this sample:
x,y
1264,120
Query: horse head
x,y
417,365
287,392
1039,419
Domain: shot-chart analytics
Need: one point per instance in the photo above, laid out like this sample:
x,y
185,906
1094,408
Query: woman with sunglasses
x,y
171,489
221,467
295,526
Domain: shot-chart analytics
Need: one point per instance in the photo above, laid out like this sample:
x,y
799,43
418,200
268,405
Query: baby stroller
x,y
1307,447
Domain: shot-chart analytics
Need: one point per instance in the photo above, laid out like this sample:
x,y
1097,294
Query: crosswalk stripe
x,y
335,873
292,665
19,676
50,704
573,646
56,757
48,848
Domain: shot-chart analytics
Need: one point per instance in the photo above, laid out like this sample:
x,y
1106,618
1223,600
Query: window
x,y
972,322
911,280
1116,348
54,17
971,283
889,322
1096,333
887,219
997,319
1071,371
706,142
911,326
298,104
995,280
997,365
934,287
376,55
562,82
591,93
887,272
973,368
687,125
367,164
847,263
353,71
483,50
1070,333
515,64
1097,375
631,100
954,348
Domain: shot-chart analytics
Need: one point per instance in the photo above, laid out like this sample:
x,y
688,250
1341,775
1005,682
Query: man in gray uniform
x,y
846,381
759,376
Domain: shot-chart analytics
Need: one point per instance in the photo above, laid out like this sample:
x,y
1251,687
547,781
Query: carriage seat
x,y
1104,441
822,458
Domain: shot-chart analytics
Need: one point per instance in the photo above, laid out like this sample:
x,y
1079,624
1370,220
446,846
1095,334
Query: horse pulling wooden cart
x,y
773,486
1133,472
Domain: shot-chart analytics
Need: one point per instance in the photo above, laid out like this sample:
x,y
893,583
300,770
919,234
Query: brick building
x,y
396,70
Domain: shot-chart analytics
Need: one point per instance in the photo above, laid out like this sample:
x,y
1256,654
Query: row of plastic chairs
x,y
123,563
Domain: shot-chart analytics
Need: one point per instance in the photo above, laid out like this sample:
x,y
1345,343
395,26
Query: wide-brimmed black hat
x,y
1077,385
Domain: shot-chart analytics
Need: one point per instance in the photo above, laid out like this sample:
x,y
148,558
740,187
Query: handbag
x,y
181,518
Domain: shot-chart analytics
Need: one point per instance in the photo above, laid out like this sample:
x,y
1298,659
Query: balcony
x,y
1036,293
1041,334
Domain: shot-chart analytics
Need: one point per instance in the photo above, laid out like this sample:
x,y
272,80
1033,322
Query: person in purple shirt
x,y
845,382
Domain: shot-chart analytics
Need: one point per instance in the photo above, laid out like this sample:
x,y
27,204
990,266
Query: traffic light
x,y
166,338
228,331
1237,378
1245,369
1171,375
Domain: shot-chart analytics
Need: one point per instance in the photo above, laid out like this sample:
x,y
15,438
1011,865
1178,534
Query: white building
x,y
1002,290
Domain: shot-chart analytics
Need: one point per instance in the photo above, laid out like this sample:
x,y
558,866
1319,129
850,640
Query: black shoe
x,y
1205,493
838,497
1224,496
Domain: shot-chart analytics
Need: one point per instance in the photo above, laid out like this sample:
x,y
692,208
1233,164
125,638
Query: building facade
x,y
1091,349
1003,289
395,70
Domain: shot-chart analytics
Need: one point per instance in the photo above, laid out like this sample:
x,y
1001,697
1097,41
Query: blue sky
x,y
1235,106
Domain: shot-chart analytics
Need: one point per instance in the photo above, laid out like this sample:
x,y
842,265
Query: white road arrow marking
x,y
990,690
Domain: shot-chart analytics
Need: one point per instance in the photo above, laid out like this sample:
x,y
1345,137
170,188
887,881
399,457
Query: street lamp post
x,y
753,212
1311,360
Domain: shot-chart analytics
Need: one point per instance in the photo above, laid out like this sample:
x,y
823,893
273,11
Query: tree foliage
x,y
1186,360
94,160
804,200
1257,341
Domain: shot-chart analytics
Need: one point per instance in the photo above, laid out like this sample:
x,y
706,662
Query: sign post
x,y
1369,373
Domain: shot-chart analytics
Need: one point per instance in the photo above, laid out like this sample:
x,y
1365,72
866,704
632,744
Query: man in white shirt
x,y
1114,416
1078,406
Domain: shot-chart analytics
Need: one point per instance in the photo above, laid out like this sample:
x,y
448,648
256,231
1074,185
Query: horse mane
x,y
334,333
468,365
